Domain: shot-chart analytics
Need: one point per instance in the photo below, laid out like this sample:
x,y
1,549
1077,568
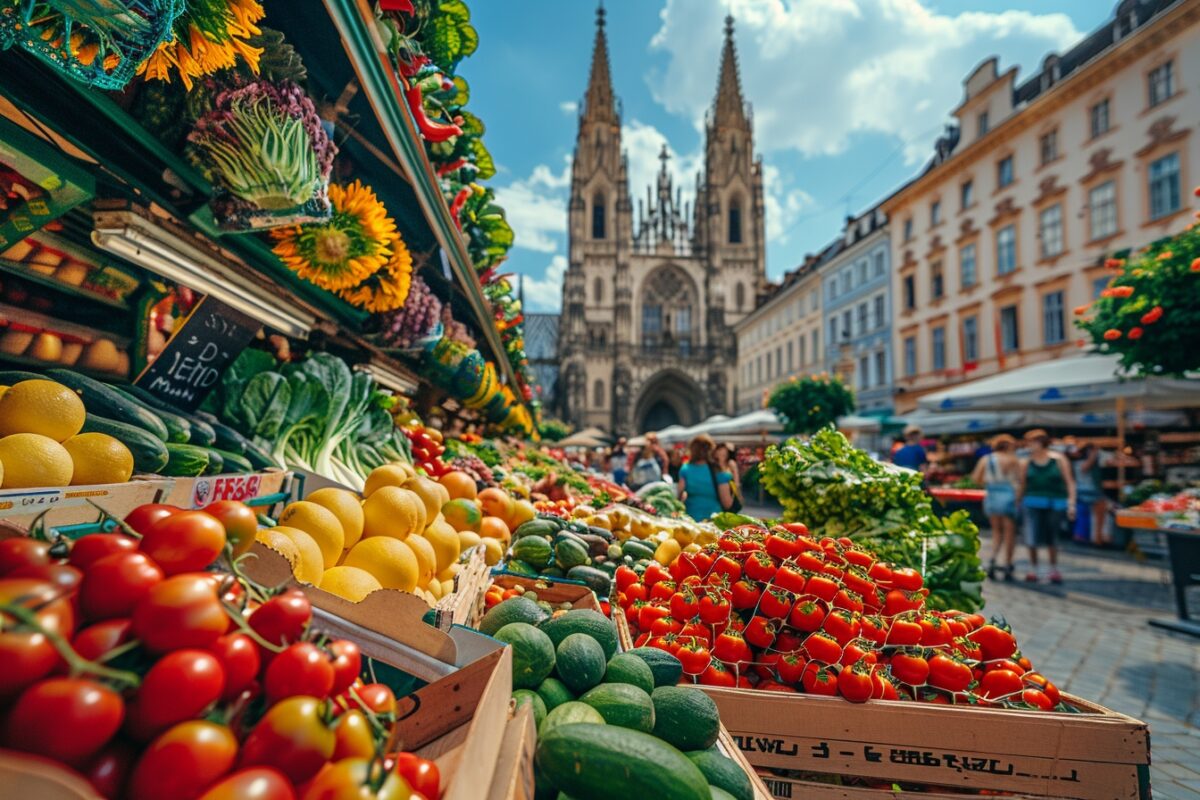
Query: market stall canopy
x,y
669,434
595,433
581,439
1090,382
934,423
853,422
676,434
759,422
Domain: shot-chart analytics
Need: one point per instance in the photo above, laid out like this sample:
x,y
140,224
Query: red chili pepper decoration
x,y
403,6
453,166
456,207
430,130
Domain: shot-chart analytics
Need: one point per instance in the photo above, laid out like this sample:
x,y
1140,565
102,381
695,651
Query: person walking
x,y
999,472
646,468
912,455
675,463
725,461
1089,484
703,488
1046,493
620,462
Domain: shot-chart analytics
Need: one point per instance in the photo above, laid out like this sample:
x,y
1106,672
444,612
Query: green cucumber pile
x,y
610,723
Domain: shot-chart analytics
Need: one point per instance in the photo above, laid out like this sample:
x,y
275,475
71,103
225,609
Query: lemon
x,y
493,551
467,540
351,583
98,458
321,524
346,506
434,590
392,511
449,573
44,407
390,560
280,544
32,460
426,557
432,494
387,475
310,563
444,538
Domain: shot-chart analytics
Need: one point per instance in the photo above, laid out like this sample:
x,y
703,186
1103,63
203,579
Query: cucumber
x,y
149,452
234,462
100,399
637,549
685,717
224,437
186,461
199,431
598,581
10,376
258,458
723,772
179,430
216,462
599,762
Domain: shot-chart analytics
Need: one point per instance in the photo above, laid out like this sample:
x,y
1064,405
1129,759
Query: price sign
x,y
189,366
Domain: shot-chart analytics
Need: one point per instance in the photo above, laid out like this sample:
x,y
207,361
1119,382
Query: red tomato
x,y
115,584
63,576
239,521
684,605
874,629
182,611
257,783
806,616
283,618
179,686
842,625
239,659
760,567
421,773
353,737
789,578
184,542
94,641
377,697
357,779
142,518
948,673
819,680
717,674
183,761
625,577
904,632
694,657
1038,699
291,737
1000,683
776,604
745,595
301,669
27,657
760,632
823,648
822,586
731,648
714,609
781,544
108,771
907,578
882,687
22,551
69,719
855,684
910,668
995,642
790,668
346,662
53,611
87,550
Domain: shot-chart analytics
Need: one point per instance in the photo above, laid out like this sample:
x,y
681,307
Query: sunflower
x,y
210,35
386,289
353,244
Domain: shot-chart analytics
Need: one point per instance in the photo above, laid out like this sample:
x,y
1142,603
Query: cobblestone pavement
x,y
1091,636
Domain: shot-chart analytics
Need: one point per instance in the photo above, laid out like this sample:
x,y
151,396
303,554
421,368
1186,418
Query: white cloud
x,y
537,207
568,107
819,71
784,205
545,293
642,144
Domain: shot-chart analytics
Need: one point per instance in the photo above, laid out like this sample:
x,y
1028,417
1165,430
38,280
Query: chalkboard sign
x,y
190,365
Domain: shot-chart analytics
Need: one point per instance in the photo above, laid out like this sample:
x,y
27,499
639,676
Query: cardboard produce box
x,y
199,492
73,505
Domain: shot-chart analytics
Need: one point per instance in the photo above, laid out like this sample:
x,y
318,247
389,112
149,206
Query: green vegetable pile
x,y
838,490
314,415
662,500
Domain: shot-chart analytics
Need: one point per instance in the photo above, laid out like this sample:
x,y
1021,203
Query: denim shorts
x,y
1000,501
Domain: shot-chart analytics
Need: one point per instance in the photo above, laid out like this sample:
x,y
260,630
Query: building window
x,y
1054,327
863,310
981,123
910,356
1006,249
1048,146
847,280
1098,286
651,324
879,268
1102,204
935,213
967,269
803,356
967,194
833,330
598,211
939,349
1010,338
908,230
845,334
813,299
816,350
881,376
1098,118
740,294
598,393
1164,186
735,221
861,268
1004,171
779,361
970,340
879,311
910,293
598,290
791,364
864,372
1050,230
1162,83
758,369
937,283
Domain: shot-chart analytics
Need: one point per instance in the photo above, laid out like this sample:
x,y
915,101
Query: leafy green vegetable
x,y
265,403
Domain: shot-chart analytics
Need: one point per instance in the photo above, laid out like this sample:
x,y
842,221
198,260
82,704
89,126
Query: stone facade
x,y
649,300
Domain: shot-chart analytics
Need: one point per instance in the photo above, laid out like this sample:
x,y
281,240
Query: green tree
x,y
552,430
809,403
1150,311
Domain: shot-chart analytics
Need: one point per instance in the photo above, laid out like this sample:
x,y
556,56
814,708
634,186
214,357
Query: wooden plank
x,y
72,505
514,767
727,745
783,788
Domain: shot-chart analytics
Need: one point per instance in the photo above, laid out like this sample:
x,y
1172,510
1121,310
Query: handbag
x,y
736,505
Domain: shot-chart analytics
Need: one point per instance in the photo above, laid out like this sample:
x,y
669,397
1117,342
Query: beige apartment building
x,y
1008,228
782,336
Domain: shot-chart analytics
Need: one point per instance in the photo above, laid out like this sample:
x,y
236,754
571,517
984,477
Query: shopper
x,y
646,468
675,463
659,453
912,455
1089,486
725,461
620,462
1046,492
704,489
999,473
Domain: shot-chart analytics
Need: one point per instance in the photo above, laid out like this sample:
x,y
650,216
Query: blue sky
x,y
848,98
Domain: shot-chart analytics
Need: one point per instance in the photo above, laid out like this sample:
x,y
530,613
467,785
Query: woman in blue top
x,y
703,489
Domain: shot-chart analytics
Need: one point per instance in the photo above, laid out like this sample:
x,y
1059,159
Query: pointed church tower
x,y
732,225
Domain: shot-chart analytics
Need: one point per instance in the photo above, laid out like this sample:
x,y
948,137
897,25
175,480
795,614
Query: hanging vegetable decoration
x,y
267,150
353,244
387,289
210,35
414,320
99,42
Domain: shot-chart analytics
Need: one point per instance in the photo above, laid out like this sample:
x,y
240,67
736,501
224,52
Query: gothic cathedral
x,y
646,337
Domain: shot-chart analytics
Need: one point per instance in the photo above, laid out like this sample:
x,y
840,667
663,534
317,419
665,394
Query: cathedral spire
x,y
599,102
729,109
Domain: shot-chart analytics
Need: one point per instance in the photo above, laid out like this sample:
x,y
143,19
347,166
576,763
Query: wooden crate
x,y
514,768
785,788
554,592
72,505
465,605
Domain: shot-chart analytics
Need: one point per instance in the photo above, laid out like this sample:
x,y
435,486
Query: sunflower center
x,y
332,246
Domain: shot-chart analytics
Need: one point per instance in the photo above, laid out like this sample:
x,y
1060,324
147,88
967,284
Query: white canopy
x,y
763,421
1089,382
934,423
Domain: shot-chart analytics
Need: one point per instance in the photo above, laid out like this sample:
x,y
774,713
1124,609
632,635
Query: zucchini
x,y
179,430
149,452
258,458
234,462
100,399
216,462
199,431
225,437
10,376
185,461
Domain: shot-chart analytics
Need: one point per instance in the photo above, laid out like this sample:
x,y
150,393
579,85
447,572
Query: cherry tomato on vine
x,y
22,551
179,686
357,779
181,611
239,659
27,657
108,771
301,669
353,737
293,737
377,697
87,550
999,683
239,521
854,683
816,679
69,719
183,761
50,608
283,618
99,638
115,584
421,773
184,542
143,517
64,577
256,783
910,668
948,673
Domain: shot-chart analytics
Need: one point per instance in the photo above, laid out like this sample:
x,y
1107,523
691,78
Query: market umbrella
x,y
853,422
581,439
755,422
595,433
686,434
670,434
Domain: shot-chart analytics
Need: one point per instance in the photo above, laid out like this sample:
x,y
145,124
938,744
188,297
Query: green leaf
x,y
483,160
470,40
